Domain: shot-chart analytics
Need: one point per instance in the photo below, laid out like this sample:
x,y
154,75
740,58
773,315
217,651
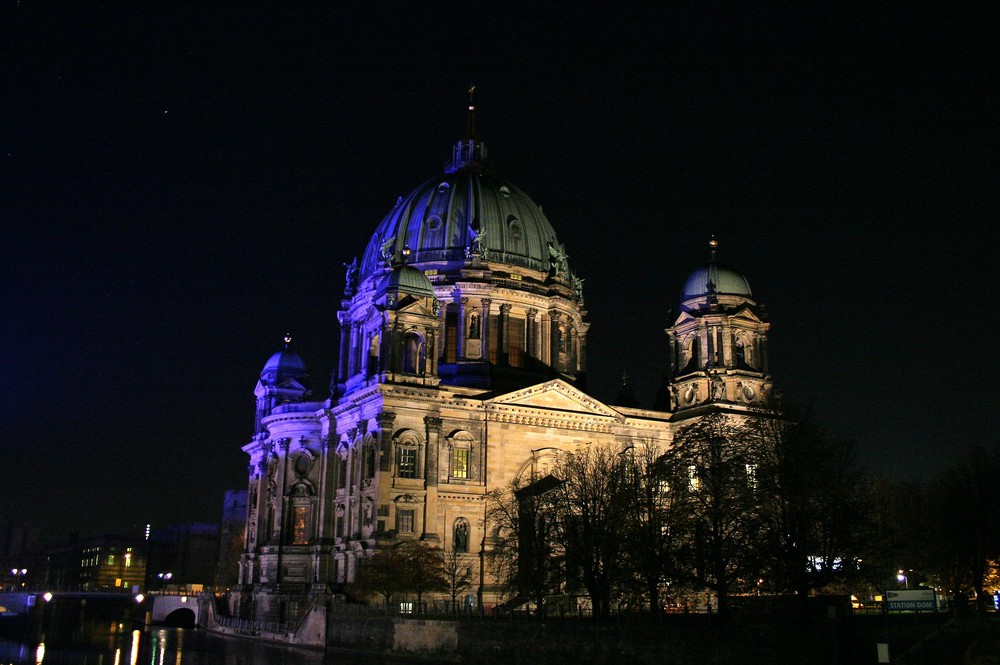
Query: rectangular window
x,y
404,521
407,462
300,525
492,327
451,335
515,342
341,472
460,463
693,480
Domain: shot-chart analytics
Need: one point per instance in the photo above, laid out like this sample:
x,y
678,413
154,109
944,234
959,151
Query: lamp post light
x,y
18,574
901,577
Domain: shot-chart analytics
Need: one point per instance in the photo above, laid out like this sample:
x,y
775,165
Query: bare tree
x,y
425,567
522,555
457,574
652,528
385,573
815,504
711,469
592,504
965,502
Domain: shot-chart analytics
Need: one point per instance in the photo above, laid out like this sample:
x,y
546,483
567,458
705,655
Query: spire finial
x,y
470,127
713,244
288,339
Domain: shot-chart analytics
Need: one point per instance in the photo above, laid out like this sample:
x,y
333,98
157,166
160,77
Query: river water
x,y
119,644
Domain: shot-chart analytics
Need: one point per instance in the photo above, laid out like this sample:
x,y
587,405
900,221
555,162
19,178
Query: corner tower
x,y
718,343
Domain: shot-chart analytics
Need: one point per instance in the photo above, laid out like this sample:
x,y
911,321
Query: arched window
x,y
743,349
411,353
373,355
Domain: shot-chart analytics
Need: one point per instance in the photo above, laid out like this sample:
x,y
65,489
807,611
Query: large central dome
x,y
470,269
463,210
465,213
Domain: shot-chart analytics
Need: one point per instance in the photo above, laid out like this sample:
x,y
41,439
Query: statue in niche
x,y
578,288
473,326
351,280
461,535
368,512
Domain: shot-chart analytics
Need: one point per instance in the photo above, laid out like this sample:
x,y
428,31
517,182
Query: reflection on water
x,y
115,644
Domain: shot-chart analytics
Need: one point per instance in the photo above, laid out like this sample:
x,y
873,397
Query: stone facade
x,y
461,368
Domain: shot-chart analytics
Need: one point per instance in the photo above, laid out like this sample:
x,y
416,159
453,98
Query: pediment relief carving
x,y
556,395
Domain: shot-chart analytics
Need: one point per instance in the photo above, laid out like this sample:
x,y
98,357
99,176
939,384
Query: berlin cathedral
x,y
463,342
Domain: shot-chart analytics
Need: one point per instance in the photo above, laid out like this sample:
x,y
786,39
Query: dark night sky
x,y
179,188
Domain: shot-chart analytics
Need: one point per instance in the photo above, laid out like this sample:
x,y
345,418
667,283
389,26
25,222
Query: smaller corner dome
x,y
715,279
409,280
283,365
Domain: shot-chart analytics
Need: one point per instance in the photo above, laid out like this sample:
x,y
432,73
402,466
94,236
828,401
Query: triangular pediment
x,y
288,384
420,307
747,313
684,317
556,395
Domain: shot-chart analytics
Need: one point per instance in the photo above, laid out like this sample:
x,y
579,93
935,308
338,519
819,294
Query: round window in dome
x,y
433,223
443,187
505,190
514,227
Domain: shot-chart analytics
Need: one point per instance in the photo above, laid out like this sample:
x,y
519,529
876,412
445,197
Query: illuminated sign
x,y
913,600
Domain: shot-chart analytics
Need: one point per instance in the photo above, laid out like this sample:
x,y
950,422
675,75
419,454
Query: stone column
x,y
345,348
484,329
555,339
432,428
279,498
324,492
502,333
385,420
531,333
462,326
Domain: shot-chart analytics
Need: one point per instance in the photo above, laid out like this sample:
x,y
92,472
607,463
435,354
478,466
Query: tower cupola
x,y
718,343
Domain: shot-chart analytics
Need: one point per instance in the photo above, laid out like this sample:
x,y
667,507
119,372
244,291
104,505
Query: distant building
x,y
463,341
101,563
21,556
183,557
232,539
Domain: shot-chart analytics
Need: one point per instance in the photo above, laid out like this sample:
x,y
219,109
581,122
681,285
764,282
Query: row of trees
x,y
733,506
413,567
764,502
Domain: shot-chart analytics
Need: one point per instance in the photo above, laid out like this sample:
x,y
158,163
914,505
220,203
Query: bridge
x,y
166,609
173,610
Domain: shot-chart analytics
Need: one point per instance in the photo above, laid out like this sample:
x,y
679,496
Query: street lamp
x,y
18,574
901,577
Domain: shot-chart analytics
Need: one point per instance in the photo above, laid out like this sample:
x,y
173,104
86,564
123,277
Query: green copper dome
x,y
408,280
